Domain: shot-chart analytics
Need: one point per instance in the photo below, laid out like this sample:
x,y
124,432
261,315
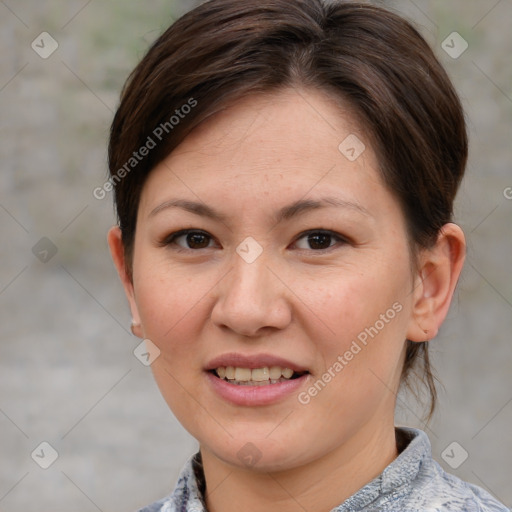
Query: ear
x,y
438,273
116,246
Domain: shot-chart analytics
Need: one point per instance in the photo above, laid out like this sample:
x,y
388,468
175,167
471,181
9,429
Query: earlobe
x,y
117,252
439,271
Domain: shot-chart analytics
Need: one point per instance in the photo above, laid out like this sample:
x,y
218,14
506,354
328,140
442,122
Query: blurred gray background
x,y
68,375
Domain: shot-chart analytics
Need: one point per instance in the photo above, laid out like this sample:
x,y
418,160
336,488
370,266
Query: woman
x,y
284,177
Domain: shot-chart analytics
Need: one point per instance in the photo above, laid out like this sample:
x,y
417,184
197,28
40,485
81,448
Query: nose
x,y
251,300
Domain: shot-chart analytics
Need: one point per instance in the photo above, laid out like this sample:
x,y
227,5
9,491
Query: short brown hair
x,y
367,56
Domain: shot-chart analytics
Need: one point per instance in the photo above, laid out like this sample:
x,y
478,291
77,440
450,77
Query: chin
x,y
261,455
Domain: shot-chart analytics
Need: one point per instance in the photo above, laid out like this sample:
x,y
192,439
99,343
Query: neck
x,y
320,485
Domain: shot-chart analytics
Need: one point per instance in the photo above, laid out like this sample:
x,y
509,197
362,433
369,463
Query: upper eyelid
x,y
183,232
320,230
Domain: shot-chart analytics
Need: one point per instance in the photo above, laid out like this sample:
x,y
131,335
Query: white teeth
x,y
287,373
259,374
243,374
254,376
275,372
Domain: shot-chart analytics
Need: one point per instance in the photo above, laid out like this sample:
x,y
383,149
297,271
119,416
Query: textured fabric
x,y
413,482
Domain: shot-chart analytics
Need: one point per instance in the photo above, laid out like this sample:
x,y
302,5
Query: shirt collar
x,y
396,477
188,495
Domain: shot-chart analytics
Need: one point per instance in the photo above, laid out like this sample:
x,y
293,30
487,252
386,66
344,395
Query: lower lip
x,y
255,395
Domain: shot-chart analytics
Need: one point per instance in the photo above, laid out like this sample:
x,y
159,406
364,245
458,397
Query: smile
x,y
256,376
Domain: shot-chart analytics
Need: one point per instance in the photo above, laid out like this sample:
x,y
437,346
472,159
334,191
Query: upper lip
x,y
252,361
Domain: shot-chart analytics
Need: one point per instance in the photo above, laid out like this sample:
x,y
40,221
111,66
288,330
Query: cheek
x,y
173,308
351,306
367,315
171,303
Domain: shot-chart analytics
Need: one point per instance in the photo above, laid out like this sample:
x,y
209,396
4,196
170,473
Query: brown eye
x,y
192,239
318,240
197,240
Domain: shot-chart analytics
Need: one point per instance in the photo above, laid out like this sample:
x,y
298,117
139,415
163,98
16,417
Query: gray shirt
x,y
413,482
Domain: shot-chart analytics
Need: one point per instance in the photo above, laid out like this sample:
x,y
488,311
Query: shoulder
x,y
188,493
163,505
435,490
171,504
415,482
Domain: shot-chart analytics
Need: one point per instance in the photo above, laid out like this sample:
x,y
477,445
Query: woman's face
x,y
297,258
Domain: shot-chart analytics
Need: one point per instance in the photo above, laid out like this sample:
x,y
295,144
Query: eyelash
x,y
171,239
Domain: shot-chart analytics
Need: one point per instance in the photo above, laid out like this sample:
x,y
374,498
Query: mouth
x,y
263,376
255,380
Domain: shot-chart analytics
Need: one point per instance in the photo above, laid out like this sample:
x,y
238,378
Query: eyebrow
x,y
286,213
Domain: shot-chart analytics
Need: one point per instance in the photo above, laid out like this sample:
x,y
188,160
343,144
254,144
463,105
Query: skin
x,y
296,300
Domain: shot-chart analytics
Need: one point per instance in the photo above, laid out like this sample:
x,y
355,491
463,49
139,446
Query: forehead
x,y
296,122
281,143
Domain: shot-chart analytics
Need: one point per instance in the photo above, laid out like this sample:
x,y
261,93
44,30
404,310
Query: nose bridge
x,y
250,279
250,297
